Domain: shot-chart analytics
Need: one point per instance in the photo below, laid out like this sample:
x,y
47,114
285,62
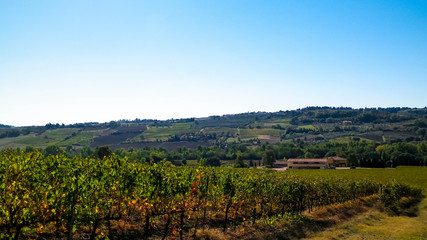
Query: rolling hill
x,y
311,125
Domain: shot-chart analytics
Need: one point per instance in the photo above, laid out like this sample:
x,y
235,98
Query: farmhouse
x,y
308,163
337,161
280,164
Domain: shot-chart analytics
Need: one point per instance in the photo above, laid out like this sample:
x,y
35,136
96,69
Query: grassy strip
x,y
297,227
380,225
364,218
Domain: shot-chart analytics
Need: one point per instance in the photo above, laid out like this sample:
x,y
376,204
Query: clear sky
x,y
81,61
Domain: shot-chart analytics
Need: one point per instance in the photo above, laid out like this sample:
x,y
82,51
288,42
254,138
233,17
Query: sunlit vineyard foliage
x,y
54,196
413,176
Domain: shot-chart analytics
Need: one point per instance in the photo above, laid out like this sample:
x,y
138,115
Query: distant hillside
x,y
311,125
5,126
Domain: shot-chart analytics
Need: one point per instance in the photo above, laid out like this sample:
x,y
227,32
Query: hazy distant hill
x,y
312,124
5,126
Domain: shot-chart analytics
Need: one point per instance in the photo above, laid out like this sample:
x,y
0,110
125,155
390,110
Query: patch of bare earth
x,y
264,137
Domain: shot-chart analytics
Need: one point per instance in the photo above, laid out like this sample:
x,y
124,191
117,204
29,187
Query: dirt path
x,y
379,225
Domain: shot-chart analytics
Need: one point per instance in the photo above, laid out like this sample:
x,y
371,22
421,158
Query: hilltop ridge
x,y
311,125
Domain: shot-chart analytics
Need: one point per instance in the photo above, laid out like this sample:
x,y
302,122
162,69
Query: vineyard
x,y
87,198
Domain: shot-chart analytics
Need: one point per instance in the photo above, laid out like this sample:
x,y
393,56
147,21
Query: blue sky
x,y
81,61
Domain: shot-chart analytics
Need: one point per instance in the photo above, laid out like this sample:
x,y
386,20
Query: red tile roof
x,y
308,165
308,160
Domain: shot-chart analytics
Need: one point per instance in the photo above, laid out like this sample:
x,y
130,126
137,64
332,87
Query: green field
x,y
82,139
375,224
60,136
163,133
220,131
308,127
36,140
284,123
232,140
49,137
192,163
348,139
415,176
14,142
255,132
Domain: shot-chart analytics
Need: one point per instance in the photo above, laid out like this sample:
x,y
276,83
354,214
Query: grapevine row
x,y
38,194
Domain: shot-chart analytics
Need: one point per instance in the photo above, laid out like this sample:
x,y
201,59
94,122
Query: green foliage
x,y
308,127
413,176
102,152
213,161
269,158
87,152
9,133
80,138
203,162
392,193
164,133
53,150
29,149
239,161
358,152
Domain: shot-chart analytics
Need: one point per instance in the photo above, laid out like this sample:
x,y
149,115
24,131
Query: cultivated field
x,y
414,176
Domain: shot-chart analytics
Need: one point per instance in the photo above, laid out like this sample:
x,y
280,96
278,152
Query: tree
x,y
158,155
103,151
239,161
203,162
52,150
120,152
213,161
268,159
86,152
29,149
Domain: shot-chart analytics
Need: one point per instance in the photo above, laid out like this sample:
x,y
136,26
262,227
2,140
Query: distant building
x,y
308,163
337,161
280,164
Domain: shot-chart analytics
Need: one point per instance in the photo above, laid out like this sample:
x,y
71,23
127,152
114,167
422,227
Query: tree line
x,y
358,152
